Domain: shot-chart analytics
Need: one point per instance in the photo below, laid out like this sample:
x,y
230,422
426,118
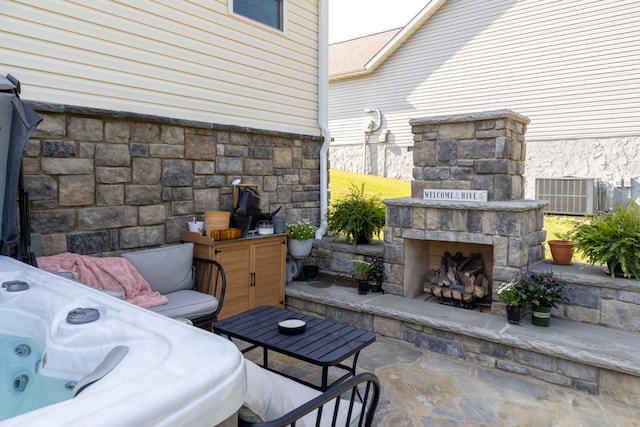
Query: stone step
x,y
586,357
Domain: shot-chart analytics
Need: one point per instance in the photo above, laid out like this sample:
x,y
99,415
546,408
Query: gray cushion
x,y
167,269
187,304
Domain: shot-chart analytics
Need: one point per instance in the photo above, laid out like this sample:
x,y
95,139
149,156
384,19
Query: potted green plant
x,y
361,271
542,290
356,216
376,273
512,295
300,236
612,239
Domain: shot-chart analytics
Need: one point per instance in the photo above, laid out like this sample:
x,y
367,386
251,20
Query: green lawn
x,y
387,188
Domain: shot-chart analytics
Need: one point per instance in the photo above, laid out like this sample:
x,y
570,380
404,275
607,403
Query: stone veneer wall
x,y
105,181
476,151
336,256
513,229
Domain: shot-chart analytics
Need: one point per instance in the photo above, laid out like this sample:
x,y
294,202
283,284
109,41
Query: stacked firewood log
x,y
459,277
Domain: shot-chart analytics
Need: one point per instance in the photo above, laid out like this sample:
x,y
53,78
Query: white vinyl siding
x,y
189,59
571,66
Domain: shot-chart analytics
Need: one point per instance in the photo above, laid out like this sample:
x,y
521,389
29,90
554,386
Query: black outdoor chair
x,y
352,402
210,279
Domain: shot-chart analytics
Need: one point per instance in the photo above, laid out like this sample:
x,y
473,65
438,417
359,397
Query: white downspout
x,y
323,109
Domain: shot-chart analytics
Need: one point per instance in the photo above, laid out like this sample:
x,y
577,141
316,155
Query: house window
x,y
268,12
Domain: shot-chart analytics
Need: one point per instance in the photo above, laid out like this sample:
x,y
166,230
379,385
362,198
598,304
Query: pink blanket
x,y
111,274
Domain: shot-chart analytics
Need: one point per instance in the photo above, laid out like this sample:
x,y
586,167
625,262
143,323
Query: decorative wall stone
x,y
40,187
112,155
142,194
54,244
107,175
102,182
110,195
53,221
620,387
85,129
153,214
57,148
137,237
146,171
116,132
77,190
52,166
52,126
88,243
621,315
172,135
201,147
204,168
166,151
106,217
144,132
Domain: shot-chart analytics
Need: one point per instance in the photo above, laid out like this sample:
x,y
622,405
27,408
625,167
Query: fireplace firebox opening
x,y
424,257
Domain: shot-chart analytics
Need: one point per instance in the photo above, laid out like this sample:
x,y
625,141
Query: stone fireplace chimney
x,y
476,151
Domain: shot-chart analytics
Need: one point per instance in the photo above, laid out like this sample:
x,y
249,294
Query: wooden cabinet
x,y
254,267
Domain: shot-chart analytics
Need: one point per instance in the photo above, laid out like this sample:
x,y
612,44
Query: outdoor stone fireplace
x,y
478,151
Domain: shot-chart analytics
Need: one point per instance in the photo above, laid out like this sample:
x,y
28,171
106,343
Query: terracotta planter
x,y
561,251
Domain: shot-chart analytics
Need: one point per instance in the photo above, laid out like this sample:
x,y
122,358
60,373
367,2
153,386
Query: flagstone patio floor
x,y
420,388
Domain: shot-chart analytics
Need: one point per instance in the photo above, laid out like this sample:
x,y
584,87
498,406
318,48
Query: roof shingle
x,y
354,54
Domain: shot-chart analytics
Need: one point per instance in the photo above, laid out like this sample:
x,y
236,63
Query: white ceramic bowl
x,y
292,326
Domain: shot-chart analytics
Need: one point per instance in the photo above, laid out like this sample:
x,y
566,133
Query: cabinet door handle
x,y
217,251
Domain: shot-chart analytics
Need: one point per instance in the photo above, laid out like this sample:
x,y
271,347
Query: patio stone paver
x,y
420,388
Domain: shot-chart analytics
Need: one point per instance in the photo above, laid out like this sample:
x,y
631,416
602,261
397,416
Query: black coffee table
x,y
324,343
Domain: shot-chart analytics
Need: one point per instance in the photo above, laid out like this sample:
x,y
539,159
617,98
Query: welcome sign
x,y
456,195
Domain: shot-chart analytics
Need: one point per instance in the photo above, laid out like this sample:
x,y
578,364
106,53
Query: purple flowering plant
x,y
542,289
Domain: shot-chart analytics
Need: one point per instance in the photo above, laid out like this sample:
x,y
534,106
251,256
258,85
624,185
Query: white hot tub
x,y
160,372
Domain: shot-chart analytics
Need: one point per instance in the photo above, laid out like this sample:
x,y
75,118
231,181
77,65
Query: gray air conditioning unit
x,y
568,195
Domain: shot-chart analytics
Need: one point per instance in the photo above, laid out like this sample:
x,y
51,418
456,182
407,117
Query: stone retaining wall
x,y
105,181
541,364
336,256
595,297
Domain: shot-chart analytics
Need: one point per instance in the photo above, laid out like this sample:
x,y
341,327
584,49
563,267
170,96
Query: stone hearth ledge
x,y
504,206
589,344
